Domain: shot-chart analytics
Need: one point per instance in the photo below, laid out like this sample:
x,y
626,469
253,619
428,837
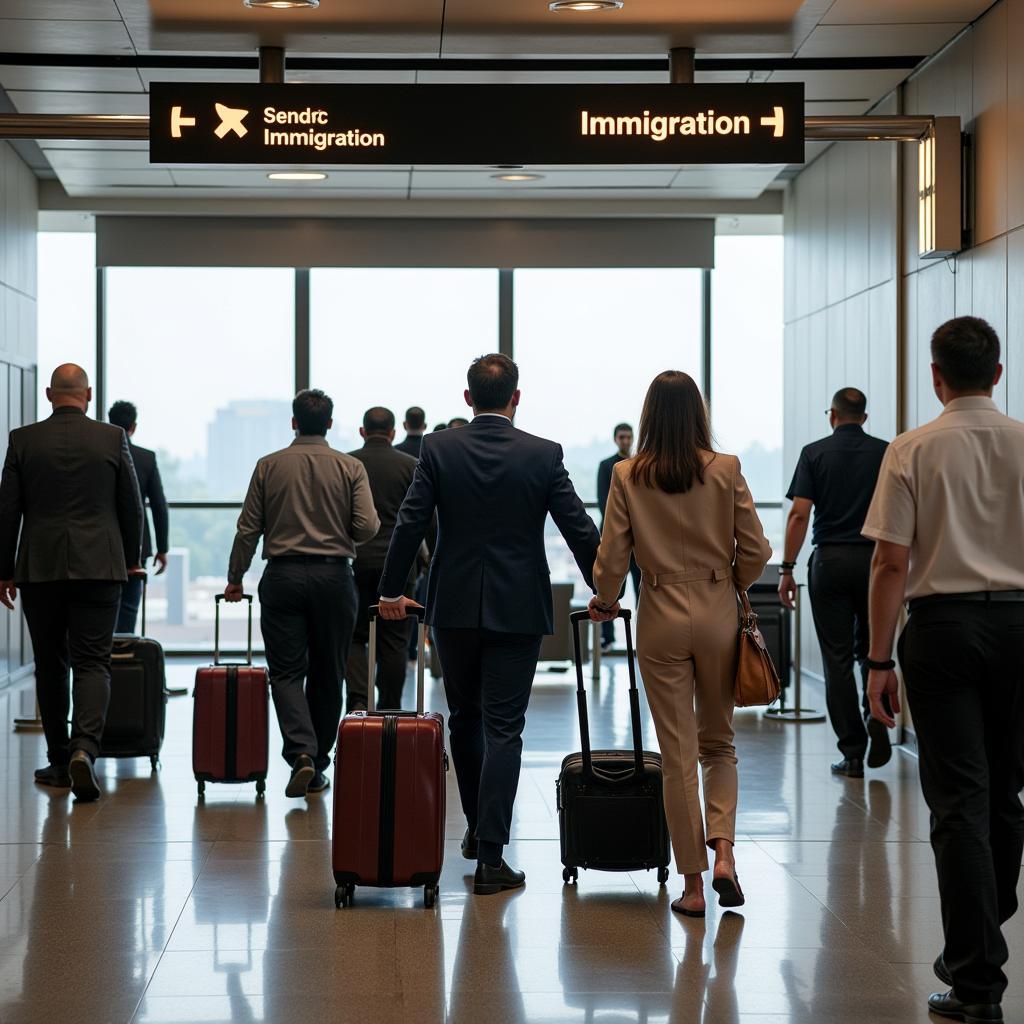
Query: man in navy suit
x,y
489,593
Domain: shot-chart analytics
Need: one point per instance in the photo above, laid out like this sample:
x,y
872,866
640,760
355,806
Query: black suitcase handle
x,y
575,618
419,614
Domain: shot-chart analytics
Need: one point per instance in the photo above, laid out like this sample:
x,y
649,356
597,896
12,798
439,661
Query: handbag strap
x,y
748,612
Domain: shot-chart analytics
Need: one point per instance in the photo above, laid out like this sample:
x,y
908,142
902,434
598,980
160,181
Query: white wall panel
x,y
834,164
989,276
882,361
990,124
1013,348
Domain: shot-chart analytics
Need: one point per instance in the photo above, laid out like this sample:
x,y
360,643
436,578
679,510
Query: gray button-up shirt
x,y
306,499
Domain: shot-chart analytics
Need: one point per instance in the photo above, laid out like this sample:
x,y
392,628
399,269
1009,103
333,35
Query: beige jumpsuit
x,y
694,550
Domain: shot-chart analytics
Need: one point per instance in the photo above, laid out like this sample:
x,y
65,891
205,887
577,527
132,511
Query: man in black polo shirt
x,y
837,476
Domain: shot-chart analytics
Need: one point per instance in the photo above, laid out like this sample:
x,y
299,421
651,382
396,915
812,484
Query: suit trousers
x,y
838,587
963,663
71,623
488,677
687,647
392,641
131,599
308,611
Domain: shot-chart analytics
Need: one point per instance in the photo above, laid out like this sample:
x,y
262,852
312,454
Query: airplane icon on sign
x,y
230,121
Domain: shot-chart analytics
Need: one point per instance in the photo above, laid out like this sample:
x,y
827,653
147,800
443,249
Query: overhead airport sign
x,y
482,125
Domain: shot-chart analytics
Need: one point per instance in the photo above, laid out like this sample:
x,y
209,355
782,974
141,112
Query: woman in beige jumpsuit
x,y
686,513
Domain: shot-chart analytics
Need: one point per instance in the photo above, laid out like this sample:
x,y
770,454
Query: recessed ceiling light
x,y
518,177
585,5
281,5
296,175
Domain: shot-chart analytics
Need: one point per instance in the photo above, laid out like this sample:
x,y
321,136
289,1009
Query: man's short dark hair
x,y
378,420
439,426
415,418
966,350
849,403
457,421
619,427
312,410
123,414
492,381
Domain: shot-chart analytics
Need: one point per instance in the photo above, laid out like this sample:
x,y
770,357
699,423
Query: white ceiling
x,y
447,29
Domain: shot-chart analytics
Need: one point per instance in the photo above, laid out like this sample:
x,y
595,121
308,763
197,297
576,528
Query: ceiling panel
x,y
39,79
336,179
41,36
134,103
843,85
132,177
886,12
97,159
893,40
61,10
577,178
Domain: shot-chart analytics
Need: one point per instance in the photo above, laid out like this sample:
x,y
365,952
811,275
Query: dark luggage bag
x,y
610,811
389,793
137,712
229,718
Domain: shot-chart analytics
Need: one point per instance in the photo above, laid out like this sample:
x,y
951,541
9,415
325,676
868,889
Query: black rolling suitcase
x,y
610,811
138,698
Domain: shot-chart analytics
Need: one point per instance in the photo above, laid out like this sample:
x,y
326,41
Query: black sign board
x,y
472,125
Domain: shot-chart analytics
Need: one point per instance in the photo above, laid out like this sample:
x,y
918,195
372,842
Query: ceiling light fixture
x,y
508,167
296,176
518,177
281,5
585,6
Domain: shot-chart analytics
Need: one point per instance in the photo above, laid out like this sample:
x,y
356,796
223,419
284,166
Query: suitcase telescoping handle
x,y
144,576
626,615
216,629
371,687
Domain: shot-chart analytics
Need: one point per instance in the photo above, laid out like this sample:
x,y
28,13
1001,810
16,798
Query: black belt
x,y
976,596
313,559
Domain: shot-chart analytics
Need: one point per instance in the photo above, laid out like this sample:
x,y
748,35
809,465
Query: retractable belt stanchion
x,y
797,713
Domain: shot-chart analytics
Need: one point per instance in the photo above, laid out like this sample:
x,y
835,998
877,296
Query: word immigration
x,y
318,140
660,127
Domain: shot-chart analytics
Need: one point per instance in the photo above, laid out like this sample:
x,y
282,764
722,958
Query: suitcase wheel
x,y
261,787
343,895
154,761
201,786
662,876
430,895
570,875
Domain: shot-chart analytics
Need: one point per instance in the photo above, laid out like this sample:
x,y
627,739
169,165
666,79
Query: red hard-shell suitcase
x,y
229,719
389,793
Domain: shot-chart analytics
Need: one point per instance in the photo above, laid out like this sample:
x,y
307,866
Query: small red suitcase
x,y
389,793
229,718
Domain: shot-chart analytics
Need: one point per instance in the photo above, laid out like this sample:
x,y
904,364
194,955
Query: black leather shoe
x,y
319,784
851,767
54,775
946,1004
942,971
302,775
490,880
469,847
84,783
879,747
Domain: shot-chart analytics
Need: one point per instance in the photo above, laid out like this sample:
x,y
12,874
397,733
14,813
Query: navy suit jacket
x,y
492,487
152,489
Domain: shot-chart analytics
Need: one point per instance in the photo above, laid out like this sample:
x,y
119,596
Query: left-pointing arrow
x,y
178,122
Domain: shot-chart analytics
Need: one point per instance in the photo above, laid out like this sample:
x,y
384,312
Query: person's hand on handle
x,y
234,592
602,613
8,592
884,696
787,590
395,611
160,560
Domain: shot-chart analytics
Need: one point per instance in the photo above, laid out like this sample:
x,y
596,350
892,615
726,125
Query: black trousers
x,y
72,627
392,641
838,588
608,628
964,668
308,613
131,598
488,677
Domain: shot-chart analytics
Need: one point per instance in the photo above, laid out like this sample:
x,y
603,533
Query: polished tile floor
x,y
150,907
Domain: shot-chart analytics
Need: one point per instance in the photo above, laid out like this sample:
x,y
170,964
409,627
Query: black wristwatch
x,y
880,666
786,568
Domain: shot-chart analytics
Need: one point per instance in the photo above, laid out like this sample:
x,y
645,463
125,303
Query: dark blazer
x,y
492,487
390,473
604,480
410,446
69,485
152,490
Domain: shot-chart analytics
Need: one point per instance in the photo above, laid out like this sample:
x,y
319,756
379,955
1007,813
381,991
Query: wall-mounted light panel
x,y
940,191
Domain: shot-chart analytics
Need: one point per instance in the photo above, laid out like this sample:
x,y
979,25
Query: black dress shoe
x,y
879,746
469,847
319,784
942,971
84,783
490,880
851,767
946,1004
53,775
302,775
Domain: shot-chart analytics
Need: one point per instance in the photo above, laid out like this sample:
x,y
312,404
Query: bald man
x,y
69,488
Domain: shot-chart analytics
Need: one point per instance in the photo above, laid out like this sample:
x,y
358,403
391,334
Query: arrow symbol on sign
x,y
776,121
178,122
230,121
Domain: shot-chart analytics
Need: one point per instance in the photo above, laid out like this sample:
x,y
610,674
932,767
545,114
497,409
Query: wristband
x,y
788,565
880,666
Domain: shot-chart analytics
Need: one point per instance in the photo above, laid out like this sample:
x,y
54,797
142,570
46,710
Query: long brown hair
x,y
675,436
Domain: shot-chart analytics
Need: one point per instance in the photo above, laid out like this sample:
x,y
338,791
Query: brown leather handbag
x,y
757,680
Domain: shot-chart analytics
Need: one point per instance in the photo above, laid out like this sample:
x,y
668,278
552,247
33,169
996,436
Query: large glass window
x,y
397,338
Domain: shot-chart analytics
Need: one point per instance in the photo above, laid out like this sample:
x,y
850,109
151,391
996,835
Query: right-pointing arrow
x,y
776,121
